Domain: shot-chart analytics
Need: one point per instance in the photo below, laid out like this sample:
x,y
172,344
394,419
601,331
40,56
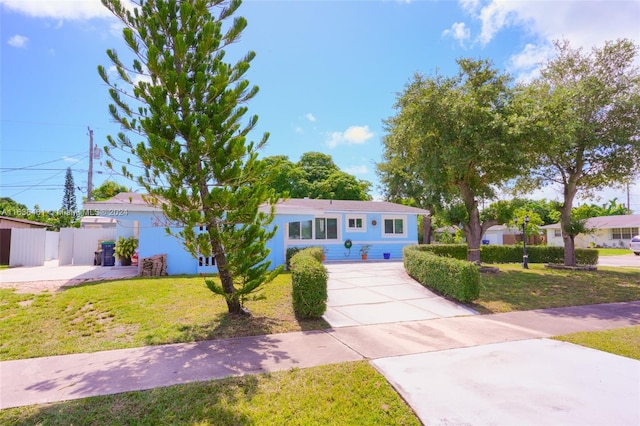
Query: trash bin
x,y
108,258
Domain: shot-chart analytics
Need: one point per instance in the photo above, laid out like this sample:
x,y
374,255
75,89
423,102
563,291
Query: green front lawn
x,y
613,251
135,312
342,394
517,289
620,341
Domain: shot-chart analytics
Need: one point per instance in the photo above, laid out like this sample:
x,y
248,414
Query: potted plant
x,y
324,253
125,247
364,251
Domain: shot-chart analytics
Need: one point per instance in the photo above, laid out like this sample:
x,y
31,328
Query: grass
x,y
341,394
613,251
620,341
517,289
136,312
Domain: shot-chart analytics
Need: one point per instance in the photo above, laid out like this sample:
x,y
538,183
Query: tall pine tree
x,y
184,105
69,214
69,198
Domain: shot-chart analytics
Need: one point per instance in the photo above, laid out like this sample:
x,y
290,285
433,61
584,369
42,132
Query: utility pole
x,y
89,183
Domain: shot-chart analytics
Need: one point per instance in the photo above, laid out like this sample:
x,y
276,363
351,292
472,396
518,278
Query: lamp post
x,y
525,257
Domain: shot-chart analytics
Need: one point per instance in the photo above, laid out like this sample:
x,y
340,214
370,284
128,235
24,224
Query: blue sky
x,y
328,72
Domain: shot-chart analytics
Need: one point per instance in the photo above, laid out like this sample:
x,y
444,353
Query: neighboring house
x,y
607,231
12,222
98,222
25,242
387,227
499,235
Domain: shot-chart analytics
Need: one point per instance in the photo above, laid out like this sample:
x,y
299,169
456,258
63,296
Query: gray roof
x,y
291,205
349,206
607,222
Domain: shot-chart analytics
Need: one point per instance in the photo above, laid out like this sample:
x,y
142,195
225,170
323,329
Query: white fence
x,y
78,245
27,247
71,246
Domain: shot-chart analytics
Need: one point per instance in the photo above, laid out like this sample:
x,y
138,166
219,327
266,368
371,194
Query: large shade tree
x,y
585,115
315,176
457,137
184,105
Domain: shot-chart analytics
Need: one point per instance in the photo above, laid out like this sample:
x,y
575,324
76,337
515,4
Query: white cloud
x,y
357,170
354,135
299,130
459,31
310,117
18,41
526,64
59,9
70,159
584,24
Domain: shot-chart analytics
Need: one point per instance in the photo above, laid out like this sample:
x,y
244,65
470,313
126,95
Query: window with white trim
x,y
321,228
394,226
300,230
623,233
557,233
356,223
326,228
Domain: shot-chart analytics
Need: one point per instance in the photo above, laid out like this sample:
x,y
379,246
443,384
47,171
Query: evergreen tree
x,y
68,215
187,110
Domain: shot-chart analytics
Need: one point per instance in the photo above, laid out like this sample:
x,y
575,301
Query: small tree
x,y
193,151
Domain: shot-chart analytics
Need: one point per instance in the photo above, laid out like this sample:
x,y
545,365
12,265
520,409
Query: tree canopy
x,y
315,176
458,137
107,190
584,113
184,105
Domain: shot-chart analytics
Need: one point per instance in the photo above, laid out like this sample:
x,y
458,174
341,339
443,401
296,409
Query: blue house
x,y
341,227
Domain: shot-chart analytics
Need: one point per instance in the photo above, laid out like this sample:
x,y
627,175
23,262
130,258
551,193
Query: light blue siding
x,y
153,239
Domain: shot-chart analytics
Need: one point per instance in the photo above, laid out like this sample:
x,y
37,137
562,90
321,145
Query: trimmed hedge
x,y
453,278
512,253
536,254
309,283
456,251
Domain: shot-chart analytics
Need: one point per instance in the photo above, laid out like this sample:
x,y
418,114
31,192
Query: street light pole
x,y
525,256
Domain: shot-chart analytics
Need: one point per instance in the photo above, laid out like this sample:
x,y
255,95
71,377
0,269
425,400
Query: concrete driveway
x,y
457,368
51,277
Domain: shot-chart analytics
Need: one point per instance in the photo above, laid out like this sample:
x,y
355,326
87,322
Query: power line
x,y
41,123
10,169
13,169
41,182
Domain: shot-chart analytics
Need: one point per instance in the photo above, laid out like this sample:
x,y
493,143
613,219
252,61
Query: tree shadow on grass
x,y
210,402
225,325
111,372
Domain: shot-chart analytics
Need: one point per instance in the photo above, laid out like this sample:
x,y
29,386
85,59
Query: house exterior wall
x,y
380,241
149,228
599,237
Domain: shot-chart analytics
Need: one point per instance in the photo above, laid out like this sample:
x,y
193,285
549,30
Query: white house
x,y
606,231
